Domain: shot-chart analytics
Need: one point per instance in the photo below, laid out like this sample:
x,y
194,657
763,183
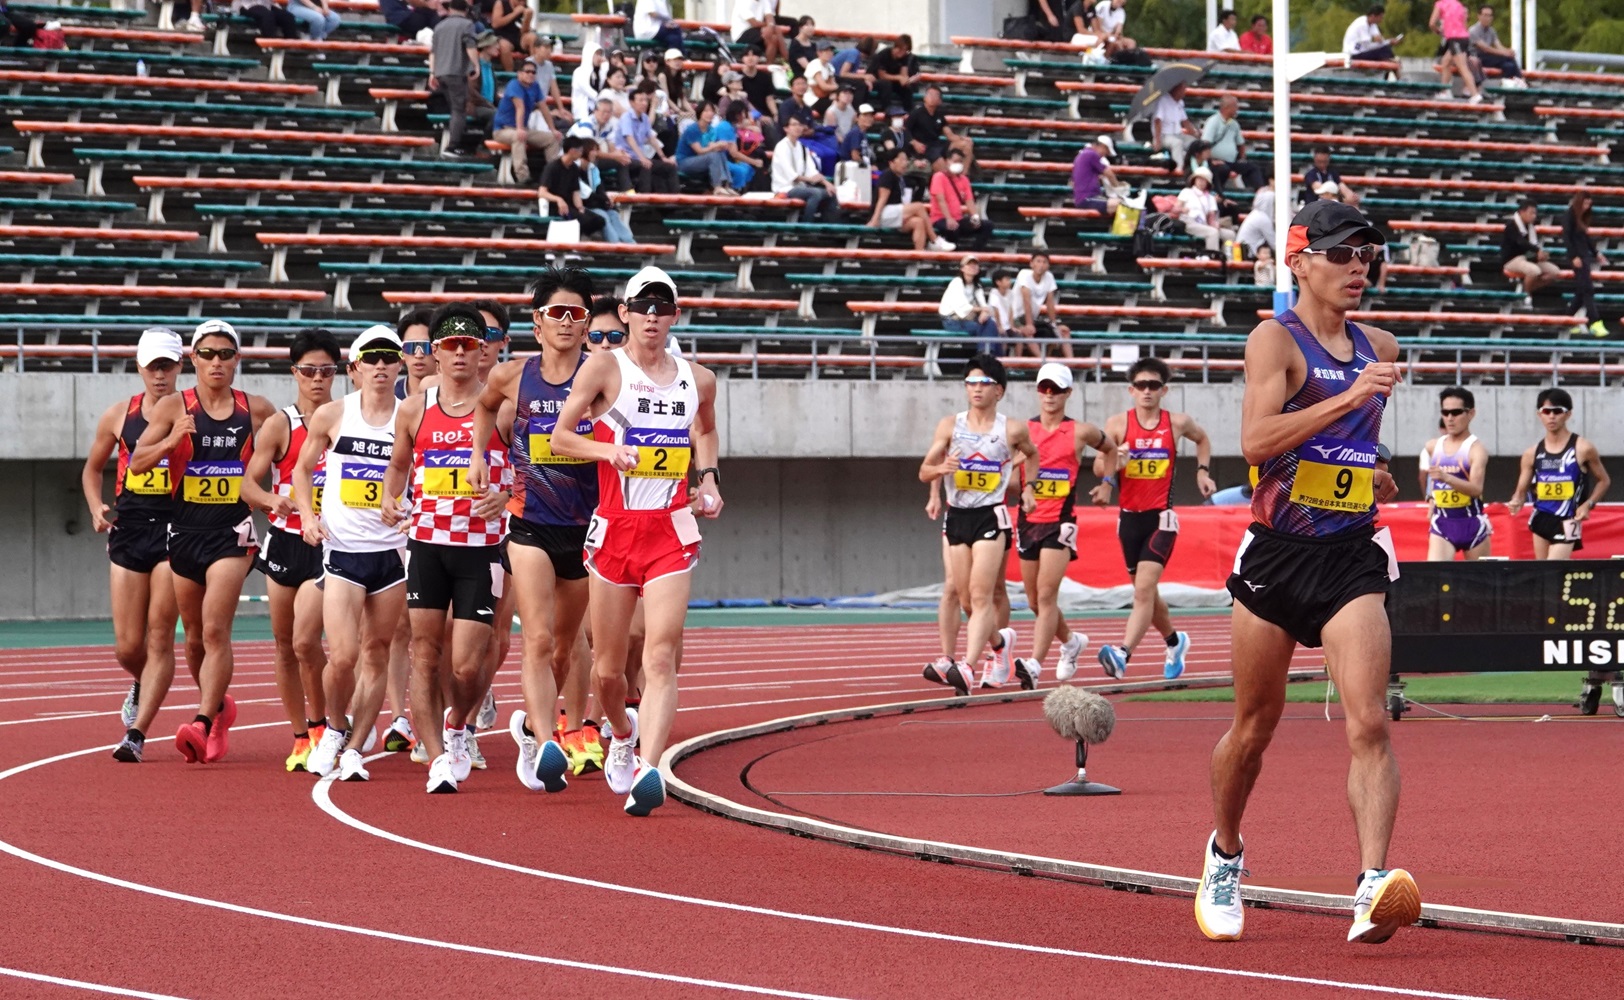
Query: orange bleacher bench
x,y
131,35
280,47
133,293
1265,97
158,185
282,242
164,82
36,131
28,177
1550,111
92,233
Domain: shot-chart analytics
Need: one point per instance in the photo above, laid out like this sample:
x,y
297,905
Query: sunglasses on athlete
x,y
1340,255
1452,412
417,347
495,333
563,312
1553,411
1150,385
456,342
210,353
613,336
316,371
1050,389
980,380
378,358
651,307
162,365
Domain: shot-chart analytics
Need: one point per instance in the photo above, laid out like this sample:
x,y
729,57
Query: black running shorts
x,y
465,578
138,545
1035,537
193,550
563,543
373,572
287,559
1299,582
969,525
1556,530
1147,536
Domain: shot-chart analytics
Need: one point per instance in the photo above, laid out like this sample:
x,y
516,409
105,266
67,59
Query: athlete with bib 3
x,y
1456,464
656,420
1314,569
1147,439
207,435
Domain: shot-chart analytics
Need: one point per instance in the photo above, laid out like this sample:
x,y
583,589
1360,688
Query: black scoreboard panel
x,y
1526,615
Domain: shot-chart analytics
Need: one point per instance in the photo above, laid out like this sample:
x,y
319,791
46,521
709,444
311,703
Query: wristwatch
x,y
699,477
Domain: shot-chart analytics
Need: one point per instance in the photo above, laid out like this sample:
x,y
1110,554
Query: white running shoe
x,y
941,246
1069,651
487,712
935,671
620,763
126,714
648,790
442,776
1000,664
529,751
351,767
325,757
194,23
371,742
420,752
1027,672
456,745
1387,900
1218,909
475,758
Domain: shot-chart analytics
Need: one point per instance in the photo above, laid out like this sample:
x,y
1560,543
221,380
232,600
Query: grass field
x,y
1458,689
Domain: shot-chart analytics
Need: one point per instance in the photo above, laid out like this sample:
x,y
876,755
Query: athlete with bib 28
x,y
1314,569
656,420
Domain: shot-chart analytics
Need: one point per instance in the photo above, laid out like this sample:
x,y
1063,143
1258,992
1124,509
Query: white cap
x,y
158,342
1107,142
215,326
1201,172
377,334
1056,373
1327,187
649,276
865,109
671,54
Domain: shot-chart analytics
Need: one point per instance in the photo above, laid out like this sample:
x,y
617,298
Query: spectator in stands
x,y
897,205
742,140
517,125
1363,39
452,61
1049,18
1318,173
1109,20
1171,130
1228,155
652,21
929,136
849,68
561,184
1197,208
1490,53
674,81
616,88
796,175
1521,256
318,19
795,106
587,81
408,16
841,115
1001,300
511,19
1257,39
1583,258
758,83
700,153
1037,307
802,49
1088,169
1222,37
541,53
855,145
953,204
595,195
964,307
651,169
755,24
896,71
1257,229
18,29
1449,21
601,129
820,77
272,20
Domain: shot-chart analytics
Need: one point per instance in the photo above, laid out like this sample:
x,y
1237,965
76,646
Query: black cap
x,y
1324,223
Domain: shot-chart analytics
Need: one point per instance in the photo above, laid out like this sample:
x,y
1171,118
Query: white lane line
x,y
79,984
322,795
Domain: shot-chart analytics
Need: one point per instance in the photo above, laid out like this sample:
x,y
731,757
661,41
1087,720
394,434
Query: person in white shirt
x,y
1198,210
1037,306
1170,126
1222,37
1001,300
1109,18
586,81
1363,39
755,24
820,78
651,20
964,307
796,175
1257,229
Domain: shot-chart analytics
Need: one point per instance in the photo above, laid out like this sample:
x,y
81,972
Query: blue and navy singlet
x,y
1560,484
548,488
1326,485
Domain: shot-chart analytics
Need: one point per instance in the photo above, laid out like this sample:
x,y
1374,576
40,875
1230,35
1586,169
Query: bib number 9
x,y
1334,487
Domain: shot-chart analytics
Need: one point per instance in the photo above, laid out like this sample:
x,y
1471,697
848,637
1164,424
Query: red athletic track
x,y
305,870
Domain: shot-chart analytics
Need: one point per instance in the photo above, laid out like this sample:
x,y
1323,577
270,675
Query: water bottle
x,y
140,67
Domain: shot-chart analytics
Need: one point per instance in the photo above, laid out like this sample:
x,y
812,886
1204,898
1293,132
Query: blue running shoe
x,y
551,765
648,791
1173,666
1115,661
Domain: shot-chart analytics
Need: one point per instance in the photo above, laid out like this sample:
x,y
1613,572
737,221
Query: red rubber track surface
x,y
235,881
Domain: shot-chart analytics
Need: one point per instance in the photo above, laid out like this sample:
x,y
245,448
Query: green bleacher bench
x,y
99,158
338,73
51,11
523,272
1342,122
220,110
58,262
75,206
797,280
686,229
170,59
6,151
1002,101
125,321
313,213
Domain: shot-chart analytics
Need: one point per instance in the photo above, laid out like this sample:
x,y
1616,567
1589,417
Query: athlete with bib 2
x,y
973,453
1456,463
207,435
143,596
656,420
1147,439
1314,569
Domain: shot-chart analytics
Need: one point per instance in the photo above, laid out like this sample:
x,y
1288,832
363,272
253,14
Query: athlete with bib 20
x,y
656,420
1313,569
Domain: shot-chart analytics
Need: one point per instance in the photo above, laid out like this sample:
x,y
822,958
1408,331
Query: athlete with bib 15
x,y
1313,569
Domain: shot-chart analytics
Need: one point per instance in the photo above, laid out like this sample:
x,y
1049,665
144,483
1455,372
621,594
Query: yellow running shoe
x,y
579,759
592,743
300,755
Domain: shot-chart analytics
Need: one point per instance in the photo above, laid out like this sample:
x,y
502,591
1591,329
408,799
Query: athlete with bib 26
x,y
1313,569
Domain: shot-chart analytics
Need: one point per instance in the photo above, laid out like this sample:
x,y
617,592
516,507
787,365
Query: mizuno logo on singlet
x,y
656,438
1342,453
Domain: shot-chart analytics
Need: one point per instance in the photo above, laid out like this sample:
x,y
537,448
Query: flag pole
x,y
1282,153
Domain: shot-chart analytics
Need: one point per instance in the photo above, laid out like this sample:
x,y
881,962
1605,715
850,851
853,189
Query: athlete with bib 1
x,y
1046,538
207,434
656,420
292,567
143,595
1314,569
1147,439
973,453
1456,463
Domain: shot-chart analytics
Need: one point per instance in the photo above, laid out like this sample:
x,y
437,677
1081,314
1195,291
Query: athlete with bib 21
x,y
1313,569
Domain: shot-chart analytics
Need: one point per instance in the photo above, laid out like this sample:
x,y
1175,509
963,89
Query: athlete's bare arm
x,y
938,462
1275,370
269,444
108,427
933,504
399,472
1110,461
1089,436
1185,426
318,438
168,426
597,383
1525,479
502,387
1590,461
707,446
1020,439
260,410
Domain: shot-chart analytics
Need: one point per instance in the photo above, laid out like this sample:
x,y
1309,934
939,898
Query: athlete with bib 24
x,y
1313,569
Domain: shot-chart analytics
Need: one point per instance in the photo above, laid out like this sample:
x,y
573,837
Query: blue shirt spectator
x,y
634,134
846,59
529,96
691,135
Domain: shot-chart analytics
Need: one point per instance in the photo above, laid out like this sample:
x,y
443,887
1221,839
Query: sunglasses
x,y
210,353
1452,412
651,307
417,347
980,380
614,336
1340,255
456,342
317,371
495,333
1553,411
563,312
1151,385
378,358
162,365
1050,389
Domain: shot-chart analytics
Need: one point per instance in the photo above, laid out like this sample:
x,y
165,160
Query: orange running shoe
x,y
219,740
574,752
300,755
192,741
592,743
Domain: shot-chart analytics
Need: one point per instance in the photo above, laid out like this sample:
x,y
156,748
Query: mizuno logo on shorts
x,y
1255,586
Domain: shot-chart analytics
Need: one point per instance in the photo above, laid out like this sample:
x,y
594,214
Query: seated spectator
x,y
953,205
1170,127
408,16
1257,228
795,106
820,77
600,128
595,196
652,21
755,24
1088,170
1318,173
849,68
1037,307
896,205
796,175
1257,40
1449,21
674,81
616,89
1001,300
272,20
561,188
1363,39
742,140
964,307
651,169
1077,19
841,115
541,53
1197,208
758,83
855,145
698,156
929,137
1228,147
1521,256
511,19
519,128
802,49
587,82
318,19
18,29
896,71
1490,53
1109,21
1222,37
